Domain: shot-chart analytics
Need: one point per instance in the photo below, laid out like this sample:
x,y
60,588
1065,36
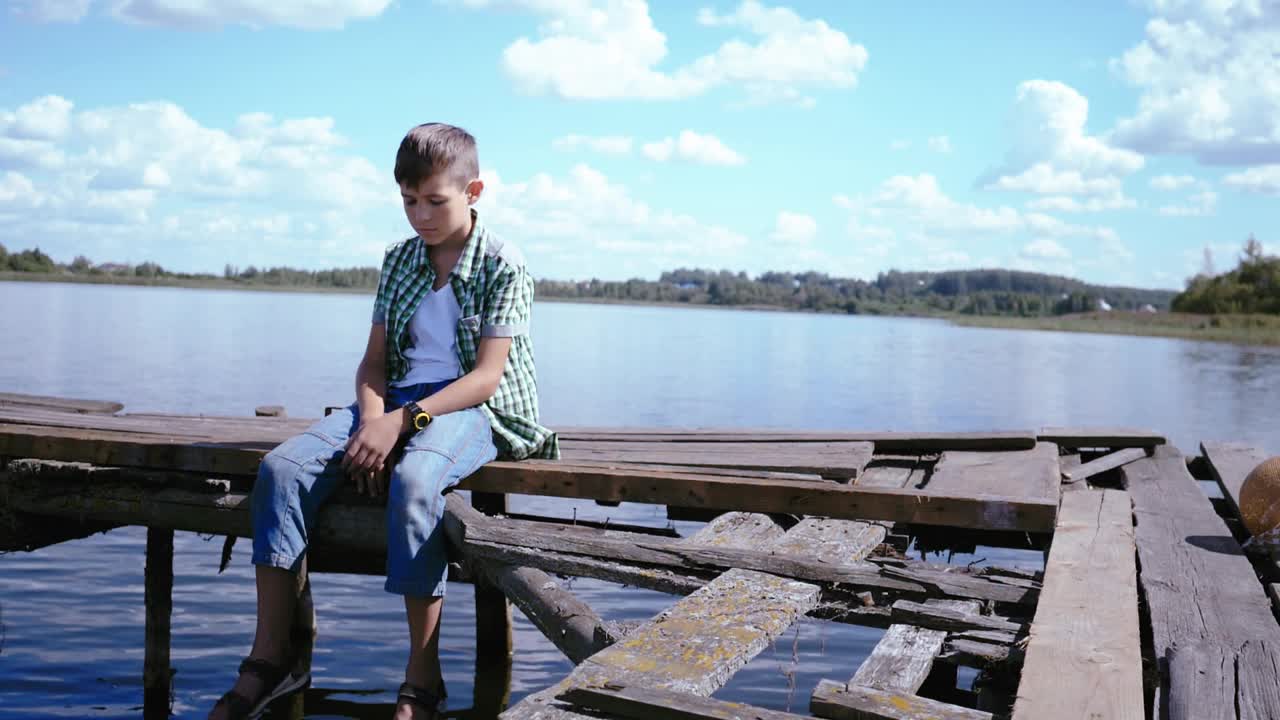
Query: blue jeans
x,y
301,473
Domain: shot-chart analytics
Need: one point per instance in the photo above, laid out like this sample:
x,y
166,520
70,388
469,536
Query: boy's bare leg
x,y
277,594
423,668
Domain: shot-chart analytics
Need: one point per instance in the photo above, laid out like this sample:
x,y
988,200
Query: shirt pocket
x,y
469,324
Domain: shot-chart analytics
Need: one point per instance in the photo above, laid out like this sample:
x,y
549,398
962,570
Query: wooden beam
x,y
1110,461
642,703
1081,661
20,401
157,676
901,660
694,647
495,632
542,477
827,459
1100,437
850,702
885,442
1199,588
952,618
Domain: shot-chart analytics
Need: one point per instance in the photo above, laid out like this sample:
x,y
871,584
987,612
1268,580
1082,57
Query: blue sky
x,y
1105,140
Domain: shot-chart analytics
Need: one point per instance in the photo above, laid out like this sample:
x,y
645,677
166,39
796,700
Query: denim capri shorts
x,y
296,478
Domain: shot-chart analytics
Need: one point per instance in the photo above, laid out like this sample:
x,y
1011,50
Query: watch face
x,y
421,420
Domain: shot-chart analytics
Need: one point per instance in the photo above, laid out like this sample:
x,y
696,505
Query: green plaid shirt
x,y
495,294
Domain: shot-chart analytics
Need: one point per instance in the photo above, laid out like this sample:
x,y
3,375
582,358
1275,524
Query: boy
x,y
448,371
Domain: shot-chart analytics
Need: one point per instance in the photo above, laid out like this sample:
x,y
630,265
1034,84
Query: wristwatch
x,y
418,417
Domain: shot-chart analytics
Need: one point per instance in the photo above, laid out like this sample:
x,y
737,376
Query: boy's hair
x,y
433,148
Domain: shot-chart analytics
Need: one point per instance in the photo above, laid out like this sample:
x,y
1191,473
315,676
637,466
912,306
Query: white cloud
x,y
1172,182
141,181
794,228
1066,203
693,147
211,14
1264,180
607,144
611,50
940,144
586,225
1198,205
1052,154
51,10
1208,74
1046,249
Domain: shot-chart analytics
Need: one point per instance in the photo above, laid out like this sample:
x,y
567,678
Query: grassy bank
x,y
1243,329
199,283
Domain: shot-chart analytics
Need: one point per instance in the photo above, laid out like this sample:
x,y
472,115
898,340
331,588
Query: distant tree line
x,y
975,292
1253,287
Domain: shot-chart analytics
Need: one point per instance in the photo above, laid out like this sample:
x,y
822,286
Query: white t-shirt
x,y
433,356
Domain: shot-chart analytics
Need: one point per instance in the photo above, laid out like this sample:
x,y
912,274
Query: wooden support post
x,y
158,591
493,613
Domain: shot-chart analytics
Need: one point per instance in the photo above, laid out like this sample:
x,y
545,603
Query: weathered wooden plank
x,y
953,618
840,702
540,477
107,447
828,459
502,542
1100,437
901,661
1110,461
694,646
1213,682
1017,473
737,530
1199,587
641,703
1080,661
824,540
885,442
1230,464
43,402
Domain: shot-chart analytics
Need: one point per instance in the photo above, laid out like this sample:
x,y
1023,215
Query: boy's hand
x,y
367,452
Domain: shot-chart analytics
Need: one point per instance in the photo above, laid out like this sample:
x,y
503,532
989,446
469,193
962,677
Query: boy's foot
x,y
417,703
260,683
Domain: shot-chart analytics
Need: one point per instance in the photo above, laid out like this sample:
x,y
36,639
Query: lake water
x,y
71,616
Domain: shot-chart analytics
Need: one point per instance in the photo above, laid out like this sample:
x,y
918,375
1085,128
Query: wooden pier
x,y
1147,606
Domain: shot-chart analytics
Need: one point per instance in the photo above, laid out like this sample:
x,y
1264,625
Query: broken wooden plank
x,y
1033,513
1110,461
1080,661
901,661
1015,473
850,702
739,530
642,703
43,402
1199,587
568,622
1100,437
952,618
693,647
824,540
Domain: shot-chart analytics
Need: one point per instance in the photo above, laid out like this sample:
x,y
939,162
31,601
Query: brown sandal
x,y
432,702
277,680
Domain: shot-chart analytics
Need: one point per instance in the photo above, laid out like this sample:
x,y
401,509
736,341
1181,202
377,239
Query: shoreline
x,y
1261,330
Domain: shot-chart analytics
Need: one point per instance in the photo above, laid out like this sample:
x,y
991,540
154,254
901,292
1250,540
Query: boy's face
x,y
439,208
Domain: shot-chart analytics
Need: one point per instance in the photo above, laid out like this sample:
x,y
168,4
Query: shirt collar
x,y
469,262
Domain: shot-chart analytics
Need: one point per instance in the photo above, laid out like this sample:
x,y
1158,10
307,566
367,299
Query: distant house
x,y
1148,308
1103,305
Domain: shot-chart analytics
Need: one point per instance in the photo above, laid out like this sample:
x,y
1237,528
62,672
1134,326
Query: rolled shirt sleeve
x,y
509,304
380,301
